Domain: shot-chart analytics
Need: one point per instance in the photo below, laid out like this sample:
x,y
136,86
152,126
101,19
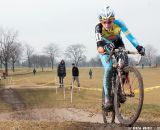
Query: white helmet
x,y
106,13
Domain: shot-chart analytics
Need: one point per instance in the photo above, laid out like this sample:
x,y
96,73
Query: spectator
x,y
34,71
61,72
75,74
90,74
142,66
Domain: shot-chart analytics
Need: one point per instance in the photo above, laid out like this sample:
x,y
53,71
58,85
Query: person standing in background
x,y
90,74
75,74
34,71
61,72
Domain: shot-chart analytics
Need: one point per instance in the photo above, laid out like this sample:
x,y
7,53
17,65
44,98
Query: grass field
x,y
89,100
150,77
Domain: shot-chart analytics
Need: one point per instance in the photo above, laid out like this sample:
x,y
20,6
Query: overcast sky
x,y
66,22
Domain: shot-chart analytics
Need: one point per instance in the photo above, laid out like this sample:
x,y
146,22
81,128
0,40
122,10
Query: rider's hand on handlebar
x,y
141,50
109,47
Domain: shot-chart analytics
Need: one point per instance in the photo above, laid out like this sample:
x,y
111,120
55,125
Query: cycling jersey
x,y
113,35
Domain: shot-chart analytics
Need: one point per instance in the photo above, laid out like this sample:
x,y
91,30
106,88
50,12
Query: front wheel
x,y
130,86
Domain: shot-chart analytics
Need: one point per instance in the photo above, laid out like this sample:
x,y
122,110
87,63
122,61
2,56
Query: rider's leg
x,y
107,84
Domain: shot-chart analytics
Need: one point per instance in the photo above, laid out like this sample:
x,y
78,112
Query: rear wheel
x,y
132,88
108,115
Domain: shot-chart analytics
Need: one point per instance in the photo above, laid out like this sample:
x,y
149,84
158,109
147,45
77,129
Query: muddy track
x,y
79,119
11,97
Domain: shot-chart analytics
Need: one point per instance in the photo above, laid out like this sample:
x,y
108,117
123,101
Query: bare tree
x,y
43,60
29,52
52,51
144,61
16,54
150,54
34,59
158,60
7,41
75,53
83,63
95,62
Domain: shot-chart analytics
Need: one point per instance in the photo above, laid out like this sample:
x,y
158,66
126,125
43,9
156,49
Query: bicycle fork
x,y
124,80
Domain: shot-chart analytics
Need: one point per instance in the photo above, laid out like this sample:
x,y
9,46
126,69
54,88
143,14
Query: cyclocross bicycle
x,y
126,81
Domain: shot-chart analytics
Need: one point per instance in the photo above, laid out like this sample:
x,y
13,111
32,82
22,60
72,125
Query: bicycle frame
x,y
121,54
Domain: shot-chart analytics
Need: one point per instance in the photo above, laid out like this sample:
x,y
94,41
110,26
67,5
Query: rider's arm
x,y
103,45
99,39
98,32
125,30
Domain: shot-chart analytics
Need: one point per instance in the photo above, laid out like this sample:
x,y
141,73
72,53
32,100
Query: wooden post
x,y
64,91
72,92
56,84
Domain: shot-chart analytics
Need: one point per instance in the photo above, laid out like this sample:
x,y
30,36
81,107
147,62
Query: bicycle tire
x,y
129,122
106,113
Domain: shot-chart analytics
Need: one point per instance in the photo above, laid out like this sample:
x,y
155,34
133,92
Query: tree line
x,y
14,52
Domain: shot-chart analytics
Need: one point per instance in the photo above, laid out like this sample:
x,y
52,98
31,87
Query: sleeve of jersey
x,y
98,31
99,39
125,30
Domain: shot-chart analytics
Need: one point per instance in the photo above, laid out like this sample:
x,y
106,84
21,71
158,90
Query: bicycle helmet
x,y
106,13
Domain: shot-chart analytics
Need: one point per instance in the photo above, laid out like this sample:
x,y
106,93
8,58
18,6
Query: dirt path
x,y
80,119
83,118
55,114
11,97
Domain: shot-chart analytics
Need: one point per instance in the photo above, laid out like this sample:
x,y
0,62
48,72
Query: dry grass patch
x,y
47,98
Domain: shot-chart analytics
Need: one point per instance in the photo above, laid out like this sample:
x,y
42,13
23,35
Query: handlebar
x,y
128,52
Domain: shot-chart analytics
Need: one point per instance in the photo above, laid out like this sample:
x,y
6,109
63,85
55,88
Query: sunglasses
x,y
108,21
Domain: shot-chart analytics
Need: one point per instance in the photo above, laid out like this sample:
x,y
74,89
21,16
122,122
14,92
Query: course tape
x,y
151,88
148,89
12,81
83,88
